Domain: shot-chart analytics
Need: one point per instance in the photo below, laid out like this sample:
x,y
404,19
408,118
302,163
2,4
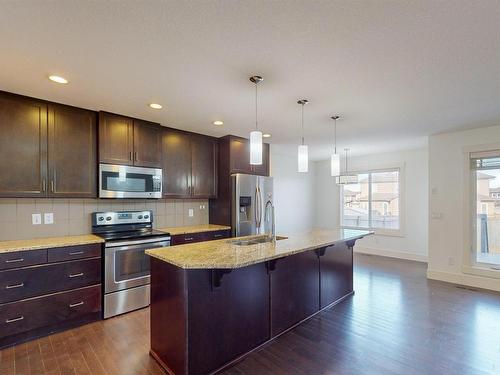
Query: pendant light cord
x,y
256,123
335,137
302,123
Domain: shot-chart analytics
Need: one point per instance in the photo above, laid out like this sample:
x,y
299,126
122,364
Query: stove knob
x,y
108,218
146,216
100,218
139,217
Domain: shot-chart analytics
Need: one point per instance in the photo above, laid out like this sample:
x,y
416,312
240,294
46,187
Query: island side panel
x,y
294,290
336,271
169,316
228,320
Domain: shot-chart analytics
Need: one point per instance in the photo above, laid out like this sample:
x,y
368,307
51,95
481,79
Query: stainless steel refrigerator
x,y
251,195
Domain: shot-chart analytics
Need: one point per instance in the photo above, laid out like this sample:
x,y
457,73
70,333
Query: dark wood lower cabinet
x,y
204,320
180,239
62,290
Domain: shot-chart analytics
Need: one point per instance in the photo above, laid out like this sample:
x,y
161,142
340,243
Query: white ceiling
x,y
396,71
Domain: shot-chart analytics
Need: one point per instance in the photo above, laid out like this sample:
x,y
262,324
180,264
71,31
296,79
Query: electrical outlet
x,y
202,206
36,219
48,218
190,212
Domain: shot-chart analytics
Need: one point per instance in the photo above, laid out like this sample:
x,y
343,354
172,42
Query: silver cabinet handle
x,y
15,260
52,186
76,253
14,286
188,238
14,319
217,235
76,304
44,185
130,155
135,156
75,275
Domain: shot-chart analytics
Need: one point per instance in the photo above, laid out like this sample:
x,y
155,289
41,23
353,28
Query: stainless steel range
x,y
127,235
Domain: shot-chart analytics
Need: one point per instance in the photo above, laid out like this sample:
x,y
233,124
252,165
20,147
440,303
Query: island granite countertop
x,y
225,254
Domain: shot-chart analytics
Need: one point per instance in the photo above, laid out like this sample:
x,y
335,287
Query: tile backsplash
x,y
72,216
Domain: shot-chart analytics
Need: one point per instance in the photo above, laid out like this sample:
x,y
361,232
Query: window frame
x,y
400,232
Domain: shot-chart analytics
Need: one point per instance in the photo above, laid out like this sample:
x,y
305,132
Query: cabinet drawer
x,y
18,317
22,259
217,235
187,238
74,252
33,281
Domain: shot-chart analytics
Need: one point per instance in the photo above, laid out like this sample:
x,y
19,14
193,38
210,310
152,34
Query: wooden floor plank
x,y
398,322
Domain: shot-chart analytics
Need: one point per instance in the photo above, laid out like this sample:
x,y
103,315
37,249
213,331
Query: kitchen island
x,y
214,302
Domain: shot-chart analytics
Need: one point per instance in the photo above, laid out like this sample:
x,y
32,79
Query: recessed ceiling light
x,y
266,135
218,123
156,106
58,79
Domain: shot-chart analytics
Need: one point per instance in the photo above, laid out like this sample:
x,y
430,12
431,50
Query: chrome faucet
x,y
269,214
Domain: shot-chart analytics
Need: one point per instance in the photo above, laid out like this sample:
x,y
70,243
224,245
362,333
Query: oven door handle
x,y
139,242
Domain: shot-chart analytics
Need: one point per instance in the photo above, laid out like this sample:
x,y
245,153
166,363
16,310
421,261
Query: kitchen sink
x,y
255,241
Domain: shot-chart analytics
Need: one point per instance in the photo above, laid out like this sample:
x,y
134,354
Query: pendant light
x,y
335,158
256,135
302,152
346,178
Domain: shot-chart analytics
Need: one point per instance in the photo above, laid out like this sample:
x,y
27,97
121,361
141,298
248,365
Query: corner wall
x,y
412,244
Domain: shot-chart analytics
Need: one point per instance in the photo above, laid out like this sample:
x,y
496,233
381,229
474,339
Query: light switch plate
x,y
36,219
48,218
190,212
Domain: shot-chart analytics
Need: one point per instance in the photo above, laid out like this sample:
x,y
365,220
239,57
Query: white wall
x,y
293,193
413,242
449,204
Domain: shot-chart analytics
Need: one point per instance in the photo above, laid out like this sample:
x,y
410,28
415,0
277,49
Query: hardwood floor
x,y
398,322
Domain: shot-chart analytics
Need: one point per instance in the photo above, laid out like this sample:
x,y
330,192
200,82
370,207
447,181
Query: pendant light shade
x,y
302,151
303,159
256,135
256,147
335,158
346,177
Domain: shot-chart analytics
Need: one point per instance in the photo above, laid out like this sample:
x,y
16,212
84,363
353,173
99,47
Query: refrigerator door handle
x,y
258,204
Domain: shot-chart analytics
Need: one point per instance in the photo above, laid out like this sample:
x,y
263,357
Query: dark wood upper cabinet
x,y
204,166
239,157
23,146
72,152
176,162
116,139
189,165
127,141
147,144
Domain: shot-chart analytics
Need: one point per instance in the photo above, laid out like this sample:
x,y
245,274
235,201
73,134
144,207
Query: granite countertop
x,y
44,243
225,254
194,229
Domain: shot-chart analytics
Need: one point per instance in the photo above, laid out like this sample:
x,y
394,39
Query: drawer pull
x,y
189,238
71,275
14,319
76,253
76,304
14,286
15,260
217,235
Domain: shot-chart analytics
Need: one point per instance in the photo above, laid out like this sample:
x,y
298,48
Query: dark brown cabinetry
x,y
180,239
189,165
48,290
336,272
46,149
127,141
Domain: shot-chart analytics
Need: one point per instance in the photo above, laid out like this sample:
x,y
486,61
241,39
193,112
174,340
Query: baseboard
x,y
465,279
390,253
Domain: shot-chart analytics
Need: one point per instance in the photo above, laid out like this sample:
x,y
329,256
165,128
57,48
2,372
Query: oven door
x,y
126,265
122,181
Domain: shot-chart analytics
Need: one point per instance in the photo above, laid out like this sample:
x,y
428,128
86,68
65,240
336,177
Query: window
x,y
485,168
374,202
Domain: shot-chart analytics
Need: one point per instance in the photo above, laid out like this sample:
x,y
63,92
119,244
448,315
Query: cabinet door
x,y
176,163
147,144
72,152
204,166
336,273
23,146
263,169
116,139
239,155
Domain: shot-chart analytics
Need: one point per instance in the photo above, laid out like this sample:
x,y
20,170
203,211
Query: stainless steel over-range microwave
x,y
123,181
